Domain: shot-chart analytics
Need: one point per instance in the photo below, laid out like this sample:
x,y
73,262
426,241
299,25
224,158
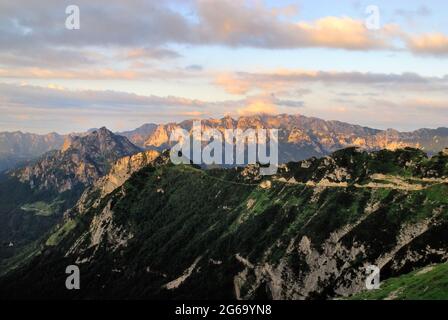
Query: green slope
x,y
429,283
240,239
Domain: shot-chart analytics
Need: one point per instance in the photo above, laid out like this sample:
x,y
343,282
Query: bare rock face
x,y
103,228
81,161
303,137
332,267
121,171
138,136
161,135
102,143
124,168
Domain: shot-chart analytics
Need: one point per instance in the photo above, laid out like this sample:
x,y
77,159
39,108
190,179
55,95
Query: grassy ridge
x,y
429,283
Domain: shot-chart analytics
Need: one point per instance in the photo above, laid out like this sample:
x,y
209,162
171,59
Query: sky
x,y
140,61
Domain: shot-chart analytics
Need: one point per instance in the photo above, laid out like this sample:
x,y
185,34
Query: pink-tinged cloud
x,y
344,32
41,73
258,105
430,44
151,53
277,80
149,28
232,84
235,23
93,73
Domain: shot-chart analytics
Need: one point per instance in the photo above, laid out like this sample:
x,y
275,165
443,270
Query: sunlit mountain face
x,y
97,99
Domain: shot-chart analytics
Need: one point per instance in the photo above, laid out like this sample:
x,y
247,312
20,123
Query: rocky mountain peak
x,y
101,142
82,160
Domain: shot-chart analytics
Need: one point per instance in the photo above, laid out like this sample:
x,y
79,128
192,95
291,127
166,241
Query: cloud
x,y
428,44
33,34
23,106
192,113
405,113
128,33
53,108
258,107
138,24
194,67
240,24
152,53
57,97
233,84
55,87
266,104
342,32
49,57
422,11
245,82
100,73
434,105
42,73
103,23
143,40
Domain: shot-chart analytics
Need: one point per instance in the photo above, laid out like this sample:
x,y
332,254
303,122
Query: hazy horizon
x,y
83,130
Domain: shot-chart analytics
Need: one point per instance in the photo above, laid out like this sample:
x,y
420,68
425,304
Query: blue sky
x,y
150,61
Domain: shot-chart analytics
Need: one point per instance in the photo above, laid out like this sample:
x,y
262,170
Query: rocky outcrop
x,y
138,136
123,169
81,161
102,227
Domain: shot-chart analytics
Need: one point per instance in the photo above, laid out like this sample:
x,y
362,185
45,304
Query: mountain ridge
x,y
33,198
18,147
300,137
180,232
82,159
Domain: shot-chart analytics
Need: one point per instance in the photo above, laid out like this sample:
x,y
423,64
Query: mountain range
x,y
344,197
300,137
18,147
309,232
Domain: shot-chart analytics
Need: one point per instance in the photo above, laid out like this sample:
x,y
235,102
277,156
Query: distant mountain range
x,y
140,135
303,137
18,147
300,137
